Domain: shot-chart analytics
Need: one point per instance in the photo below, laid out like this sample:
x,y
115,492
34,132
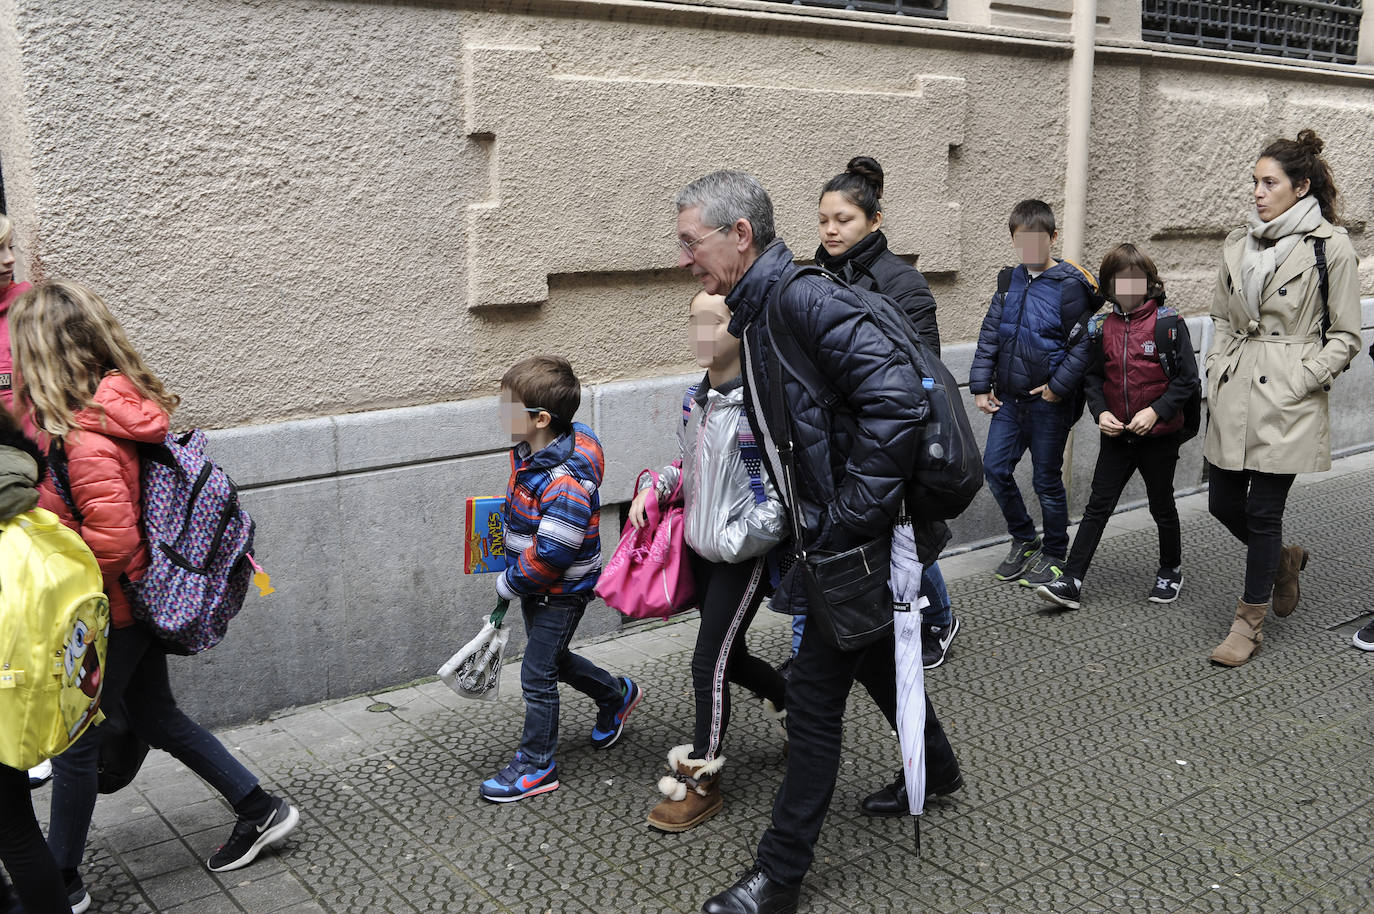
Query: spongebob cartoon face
x,y
81,668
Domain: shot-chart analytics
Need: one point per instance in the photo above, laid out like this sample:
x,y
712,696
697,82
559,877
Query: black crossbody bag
x,y
848,601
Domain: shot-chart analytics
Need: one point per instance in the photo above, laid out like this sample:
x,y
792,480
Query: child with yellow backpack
x,y
51,606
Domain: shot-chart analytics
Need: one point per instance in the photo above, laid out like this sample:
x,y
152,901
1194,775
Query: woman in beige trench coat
x,y
1275,352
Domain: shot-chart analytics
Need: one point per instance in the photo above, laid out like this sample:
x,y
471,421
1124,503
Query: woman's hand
x,y
1111,426
987,403
1143,421
638,517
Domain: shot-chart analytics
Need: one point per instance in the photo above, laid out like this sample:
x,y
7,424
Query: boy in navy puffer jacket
x,y
1027,373
553,558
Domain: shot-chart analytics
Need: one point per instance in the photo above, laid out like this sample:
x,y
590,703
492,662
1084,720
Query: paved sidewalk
x,y
1109,767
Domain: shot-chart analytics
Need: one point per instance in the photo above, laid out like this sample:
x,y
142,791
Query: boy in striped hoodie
x,y
553,557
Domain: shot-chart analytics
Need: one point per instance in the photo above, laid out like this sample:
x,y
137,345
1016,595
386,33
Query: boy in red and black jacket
x,y
1142,387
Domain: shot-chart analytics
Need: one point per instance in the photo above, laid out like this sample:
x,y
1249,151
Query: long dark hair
x,y
1301,160
861,183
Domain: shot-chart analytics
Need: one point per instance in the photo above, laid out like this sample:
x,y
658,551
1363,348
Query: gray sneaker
x,y
1044,570
1021,554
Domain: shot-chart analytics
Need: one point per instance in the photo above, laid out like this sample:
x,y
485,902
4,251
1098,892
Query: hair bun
x,y
1310,142
868,169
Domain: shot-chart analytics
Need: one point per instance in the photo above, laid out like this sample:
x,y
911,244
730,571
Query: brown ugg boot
x,y
691,792
1244,640
1292,559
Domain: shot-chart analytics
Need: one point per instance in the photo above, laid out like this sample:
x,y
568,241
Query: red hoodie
x,y
11,292
102,463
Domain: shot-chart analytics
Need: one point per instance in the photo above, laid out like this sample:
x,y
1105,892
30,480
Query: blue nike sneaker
x,y
610,723
520,779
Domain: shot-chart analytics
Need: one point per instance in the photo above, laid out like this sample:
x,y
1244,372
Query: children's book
x,y
485,548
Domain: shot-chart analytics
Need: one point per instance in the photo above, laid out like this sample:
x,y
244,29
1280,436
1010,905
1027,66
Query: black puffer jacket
x,y
852,470
870,265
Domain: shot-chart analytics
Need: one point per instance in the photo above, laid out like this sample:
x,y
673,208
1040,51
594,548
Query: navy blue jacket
x,y
852,468
1024,340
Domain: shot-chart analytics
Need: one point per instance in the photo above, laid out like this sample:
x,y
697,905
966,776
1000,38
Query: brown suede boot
x,y
691,793
1244,640
1292,559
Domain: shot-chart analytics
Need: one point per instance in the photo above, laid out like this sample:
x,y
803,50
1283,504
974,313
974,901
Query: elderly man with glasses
x,y
852,475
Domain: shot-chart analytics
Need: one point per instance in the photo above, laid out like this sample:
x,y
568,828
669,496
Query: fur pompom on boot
x,y
1244,640
691,792
1292,561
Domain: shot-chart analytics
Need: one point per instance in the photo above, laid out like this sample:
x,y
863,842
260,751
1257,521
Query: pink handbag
x,y
649,576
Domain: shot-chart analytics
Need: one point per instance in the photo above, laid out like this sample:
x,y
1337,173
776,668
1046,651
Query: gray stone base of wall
x,y
360,523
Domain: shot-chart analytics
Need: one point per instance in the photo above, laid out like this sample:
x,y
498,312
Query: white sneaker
x,y
40,774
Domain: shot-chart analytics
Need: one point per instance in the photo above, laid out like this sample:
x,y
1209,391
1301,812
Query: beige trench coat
x,y
1267,385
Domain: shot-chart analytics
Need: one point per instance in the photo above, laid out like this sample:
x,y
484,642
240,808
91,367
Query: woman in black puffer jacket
x,y
854,247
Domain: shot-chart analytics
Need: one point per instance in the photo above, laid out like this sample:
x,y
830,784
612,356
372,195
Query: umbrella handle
x,y
498,615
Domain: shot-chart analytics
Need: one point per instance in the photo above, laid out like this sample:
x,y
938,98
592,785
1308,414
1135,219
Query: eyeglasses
x,y
690,246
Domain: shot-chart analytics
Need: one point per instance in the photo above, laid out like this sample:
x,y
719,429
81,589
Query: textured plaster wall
x,y
308,208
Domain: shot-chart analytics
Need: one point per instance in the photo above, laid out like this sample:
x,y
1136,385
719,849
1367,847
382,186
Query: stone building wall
x,y
332,225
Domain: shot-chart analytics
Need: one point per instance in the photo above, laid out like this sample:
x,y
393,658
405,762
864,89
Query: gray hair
x,y
728,196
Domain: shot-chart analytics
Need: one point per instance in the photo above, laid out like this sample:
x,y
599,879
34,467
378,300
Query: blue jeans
x,y
137,691
936,612
550,621
1043,428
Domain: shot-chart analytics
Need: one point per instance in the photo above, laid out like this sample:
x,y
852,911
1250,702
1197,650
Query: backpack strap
x,y
1004,280
752,457
687,399
1324,283
62,481
1166,339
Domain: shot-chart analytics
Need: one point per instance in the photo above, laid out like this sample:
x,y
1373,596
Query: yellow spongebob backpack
x,y
54,622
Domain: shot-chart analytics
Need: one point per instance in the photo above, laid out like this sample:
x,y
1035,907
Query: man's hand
x,y
1143,421
1046,394
1110,425
987,403
637,516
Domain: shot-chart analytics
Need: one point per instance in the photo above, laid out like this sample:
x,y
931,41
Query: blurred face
x,y
716,255
520,421
1033,247
1129,287
1275,194
6,262
707,325
843,224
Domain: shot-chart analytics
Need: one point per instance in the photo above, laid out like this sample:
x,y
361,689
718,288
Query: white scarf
x,y
1267,246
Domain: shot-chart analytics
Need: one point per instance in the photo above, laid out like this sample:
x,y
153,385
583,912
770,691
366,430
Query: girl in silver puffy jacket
x,y
733,520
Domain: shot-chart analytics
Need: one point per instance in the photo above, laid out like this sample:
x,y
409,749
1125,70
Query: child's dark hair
x,y
1125,257
1031,216
1301,160
546,382
861,184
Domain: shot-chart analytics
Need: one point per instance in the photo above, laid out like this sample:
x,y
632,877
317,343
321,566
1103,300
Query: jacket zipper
x,y
1125,368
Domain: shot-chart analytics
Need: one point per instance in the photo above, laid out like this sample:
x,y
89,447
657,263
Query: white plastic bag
x,y
475,671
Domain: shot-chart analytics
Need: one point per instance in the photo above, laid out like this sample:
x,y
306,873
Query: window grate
x,y
1325,30
936,9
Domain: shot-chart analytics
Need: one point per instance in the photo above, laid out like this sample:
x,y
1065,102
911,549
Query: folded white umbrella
x,y
905,581
475,671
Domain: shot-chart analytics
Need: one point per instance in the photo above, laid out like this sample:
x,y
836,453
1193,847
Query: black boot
x,y
755,893
891,800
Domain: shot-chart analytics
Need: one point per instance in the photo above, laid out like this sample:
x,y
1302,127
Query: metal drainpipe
x,y
1076,158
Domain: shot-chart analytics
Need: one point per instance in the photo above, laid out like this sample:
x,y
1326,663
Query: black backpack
x,y
948,470
1166,345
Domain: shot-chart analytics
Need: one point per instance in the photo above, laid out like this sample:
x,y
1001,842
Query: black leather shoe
x,y
891,800
755,893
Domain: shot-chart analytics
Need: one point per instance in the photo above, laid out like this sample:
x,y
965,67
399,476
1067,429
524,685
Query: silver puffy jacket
x,y
723,521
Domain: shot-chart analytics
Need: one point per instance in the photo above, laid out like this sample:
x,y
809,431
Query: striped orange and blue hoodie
x,y
553,517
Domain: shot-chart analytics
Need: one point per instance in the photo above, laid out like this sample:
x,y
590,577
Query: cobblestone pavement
x,y
1109,767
